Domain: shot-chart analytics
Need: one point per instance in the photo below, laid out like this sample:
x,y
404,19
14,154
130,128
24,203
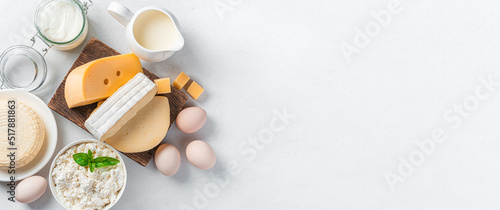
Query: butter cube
x,y
163,85
181,80
195,90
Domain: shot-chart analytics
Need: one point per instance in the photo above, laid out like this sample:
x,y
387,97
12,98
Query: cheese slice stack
x,y
120,107
29,135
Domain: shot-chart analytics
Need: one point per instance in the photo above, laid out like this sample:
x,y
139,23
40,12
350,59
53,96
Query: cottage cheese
x,y
78,188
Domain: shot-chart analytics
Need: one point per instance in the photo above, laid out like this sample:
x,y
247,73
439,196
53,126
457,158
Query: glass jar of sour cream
x,y
61,23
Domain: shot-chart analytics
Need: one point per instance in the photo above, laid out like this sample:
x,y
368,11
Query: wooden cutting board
x,y
95,49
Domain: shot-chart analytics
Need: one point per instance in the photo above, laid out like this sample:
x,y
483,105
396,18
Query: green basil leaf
x,y
92,167
90,154
105,161
81,159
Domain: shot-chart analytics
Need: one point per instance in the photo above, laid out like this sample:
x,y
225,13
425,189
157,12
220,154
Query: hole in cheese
x,y
117,73
106,81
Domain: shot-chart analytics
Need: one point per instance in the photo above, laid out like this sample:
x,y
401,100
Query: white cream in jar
x,y
62,23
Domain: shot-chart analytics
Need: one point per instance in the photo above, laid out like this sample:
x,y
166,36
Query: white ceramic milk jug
x,y
152,32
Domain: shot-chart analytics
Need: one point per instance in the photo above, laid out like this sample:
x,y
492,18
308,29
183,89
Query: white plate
x,y
51,181
43,111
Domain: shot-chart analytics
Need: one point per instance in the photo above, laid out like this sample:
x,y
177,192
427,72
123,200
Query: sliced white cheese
x,y
29,134
120,107
146,130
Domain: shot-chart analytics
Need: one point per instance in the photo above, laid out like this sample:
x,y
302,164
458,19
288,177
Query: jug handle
x,y
121,13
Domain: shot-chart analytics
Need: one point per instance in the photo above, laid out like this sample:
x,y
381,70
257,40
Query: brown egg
x,y
200,154
167,159
191,119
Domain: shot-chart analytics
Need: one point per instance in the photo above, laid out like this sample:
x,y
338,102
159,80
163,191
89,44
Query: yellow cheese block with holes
x,y
99,79
145,130
195,90
163,85
181,80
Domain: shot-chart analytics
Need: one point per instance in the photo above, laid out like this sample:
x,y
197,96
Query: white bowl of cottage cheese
x,y
75,187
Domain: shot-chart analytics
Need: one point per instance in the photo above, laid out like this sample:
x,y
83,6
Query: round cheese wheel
x,y
28,130
145,130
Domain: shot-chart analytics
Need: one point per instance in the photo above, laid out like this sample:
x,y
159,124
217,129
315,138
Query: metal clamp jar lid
x,y
21,66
